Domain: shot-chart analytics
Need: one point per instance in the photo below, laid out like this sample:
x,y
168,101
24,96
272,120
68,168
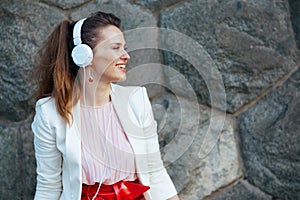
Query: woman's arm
x,y
48,158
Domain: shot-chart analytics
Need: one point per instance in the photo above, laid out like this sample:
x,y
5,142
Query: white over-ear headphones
x,y
82,54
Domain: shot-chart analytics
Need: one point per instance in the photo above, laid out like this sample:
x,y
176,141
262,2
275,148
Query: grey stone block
x,y
251,43
132,16
155,5
23,27
270,141
9,168
200,156
66,4
17,169
242,190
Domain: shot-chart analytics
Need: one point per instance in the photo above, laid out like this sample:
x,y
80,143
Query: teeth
x,y
121,66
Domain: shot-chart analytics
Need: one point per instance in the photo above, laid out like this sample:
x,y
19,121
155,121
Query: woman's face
x,y
110,56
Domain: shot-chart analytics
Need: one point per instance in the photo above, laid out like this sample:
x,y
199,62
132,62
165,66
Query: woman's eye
x,y
119,48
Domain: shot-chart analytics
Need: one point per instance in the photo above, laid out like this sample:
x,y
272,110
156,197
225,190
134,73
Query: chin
x,y
121,79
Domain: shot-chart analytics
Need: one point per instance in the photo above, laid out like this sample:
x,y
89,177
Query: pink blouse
x,y
107,156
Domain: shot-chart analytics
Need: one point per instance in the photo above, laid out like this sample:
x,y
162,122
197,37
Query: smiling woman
x,y
94,139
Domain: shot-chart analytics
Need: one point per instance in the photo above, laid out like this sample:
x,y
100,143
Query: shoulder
x,y
45,102
130,93
135,97
46,107
127,89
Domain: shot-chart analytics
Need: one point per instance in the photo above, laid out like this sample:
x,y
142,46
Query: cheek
x,y
106,58
100,63
104,67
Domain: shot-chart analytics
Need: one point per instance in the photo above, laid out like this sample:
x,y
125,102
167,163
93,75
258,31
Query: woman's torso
x,y
106,154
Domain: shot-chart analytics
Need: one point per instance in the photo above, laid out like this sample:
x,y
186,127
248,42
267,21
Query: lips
x,y
121,66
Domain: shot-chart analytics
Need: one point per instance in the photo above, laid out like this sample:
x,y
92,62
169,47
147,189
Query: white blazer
x,y
58,147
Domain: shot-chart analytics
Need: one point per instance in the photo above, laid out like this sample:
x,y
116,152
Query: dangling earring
x,y
91,79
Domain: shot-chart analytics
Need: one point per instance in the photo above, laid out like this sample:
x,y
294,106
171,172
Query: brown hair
x,y
56,70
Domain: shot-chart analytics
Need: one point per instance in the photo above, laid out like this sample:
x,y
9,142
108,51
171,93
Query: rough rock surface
x,y
251,42
242,190
210,154
24,25
17,169
200,157
269,135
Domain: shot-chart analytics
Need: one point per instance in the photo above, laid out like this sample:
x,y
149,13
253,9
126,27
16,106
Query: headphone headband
x,y
82,54
77,32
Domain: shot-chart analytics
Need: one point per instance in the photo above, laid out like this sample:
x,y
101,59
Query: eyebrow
x,y
118,43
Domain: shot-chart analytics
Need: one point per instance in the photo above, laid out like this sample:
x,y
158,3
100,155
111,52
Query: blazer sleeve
x,y
161,185
48,157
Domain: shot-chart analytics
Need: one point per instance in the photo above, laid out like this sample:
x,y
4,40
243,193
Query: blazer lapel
x,y
73,151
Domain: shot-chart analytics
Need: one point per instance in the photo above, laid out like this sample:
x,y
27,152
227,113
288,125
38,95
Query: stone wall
x,y
223,78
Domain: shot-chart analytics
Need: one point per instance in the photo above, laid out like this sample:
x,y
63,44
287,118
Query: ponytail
x,y
56,71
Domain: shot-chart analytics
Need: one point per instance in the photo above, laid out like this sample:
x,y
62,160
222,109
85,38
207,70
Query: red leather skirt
x,y
122,190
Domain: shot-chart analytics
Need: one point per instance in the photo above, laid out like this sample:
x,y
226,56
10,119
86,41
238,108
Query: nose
x,y
125,55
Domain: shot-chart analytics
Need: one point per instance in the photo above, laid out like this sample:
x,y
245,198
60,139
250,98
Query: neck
x,y
96,94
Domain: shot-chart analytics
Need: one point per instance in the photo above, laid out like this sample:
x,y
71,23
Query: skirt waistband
x,y
122,190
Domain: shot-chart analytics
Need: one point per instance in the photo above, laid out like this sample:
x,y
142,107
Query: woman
x,y
94,139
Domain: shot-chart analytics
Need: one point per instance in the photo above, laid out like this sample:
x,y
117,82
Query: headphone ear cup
x,y
82,55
